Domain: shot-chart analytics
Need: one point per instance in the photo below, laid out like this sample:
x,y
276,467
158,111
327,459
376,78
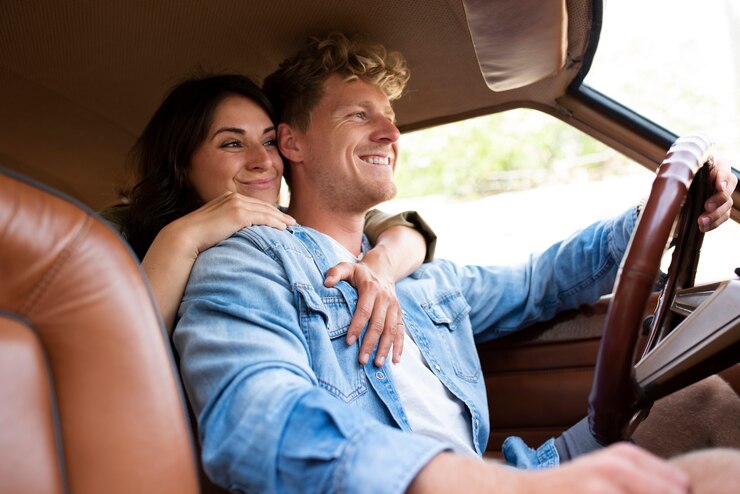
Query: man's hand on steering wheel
x,y
718,206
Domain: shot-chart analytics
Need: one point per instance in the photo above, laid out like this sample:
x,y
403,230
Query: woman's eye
x,y
271,143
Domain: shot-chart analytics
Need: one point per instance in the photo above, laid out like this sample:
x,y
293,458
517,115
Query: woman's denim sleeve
x,y
573,272
264,423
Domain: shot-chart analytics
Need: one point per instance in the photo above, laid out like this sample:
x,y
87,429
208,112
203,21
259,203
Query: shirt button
x,y
476,423
436,366
380,375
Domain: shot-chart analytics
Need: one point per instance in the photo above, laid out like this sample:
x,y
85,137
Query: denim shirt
x,y
283,404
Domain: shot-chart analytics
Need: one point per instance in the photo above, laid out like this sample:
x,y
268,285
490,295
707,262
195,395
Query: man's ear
x,y
289,143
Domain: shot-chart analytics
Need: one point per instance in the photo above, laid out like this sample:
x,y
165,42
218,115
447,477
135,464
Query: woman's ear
x,y
289,143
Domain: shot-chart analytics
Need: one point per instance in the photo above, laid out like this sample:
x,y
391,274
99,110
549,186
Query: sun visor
x,y
518,42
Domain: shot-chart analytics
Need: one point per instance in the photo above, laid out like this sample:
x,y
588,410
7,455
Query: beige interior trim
x,y
709,329
513,50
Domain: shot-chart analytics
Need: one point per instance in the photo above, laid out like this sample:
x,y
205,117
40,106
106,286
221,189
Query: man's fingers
x,y
706,224
723,177
718,203
657,473
718,206
717,209
624,468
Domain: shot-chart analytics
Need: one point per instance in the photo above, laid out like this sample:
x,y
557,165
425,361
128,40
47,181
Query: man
x,y
283,404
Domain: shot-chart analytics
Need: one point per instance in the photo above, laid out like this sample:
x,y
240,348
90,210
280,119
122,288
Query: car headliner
x,y
81,79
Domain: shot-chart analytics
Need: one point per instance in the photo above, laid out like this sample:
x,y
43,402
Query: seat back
x,y
90,401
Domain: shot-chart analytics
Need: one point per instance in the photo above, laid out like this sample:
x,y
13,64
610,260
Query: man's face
x,y
351,145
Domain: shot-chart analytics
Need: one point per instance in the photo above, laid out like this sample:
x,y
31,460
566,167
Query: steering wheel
x,y
677,197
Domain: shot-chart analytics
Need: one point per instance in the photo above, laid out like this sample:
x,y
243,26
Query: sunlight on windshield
x,y
676,62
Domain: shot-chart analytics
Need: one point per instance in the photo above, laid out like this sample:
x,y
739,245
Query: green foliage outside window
x,y
514,150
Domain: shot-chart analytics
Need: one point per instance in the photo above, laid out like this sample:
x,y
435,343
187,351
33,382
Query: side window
x,y
497,188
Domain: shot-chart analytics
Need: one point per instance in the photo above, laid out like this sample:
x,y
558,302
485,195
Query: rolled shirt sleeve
x,y
376,222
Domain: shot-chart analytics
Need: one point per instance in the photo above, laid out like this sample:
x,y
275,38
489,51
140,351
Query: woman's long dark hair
x,y
161,156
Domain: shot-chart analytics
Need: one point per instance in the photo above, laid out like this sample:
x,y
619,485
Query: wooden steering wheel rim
x,y
614,392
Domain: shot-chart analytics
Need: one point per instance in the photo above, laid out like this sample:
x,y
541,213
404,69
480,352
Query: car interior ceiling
x,y
79,81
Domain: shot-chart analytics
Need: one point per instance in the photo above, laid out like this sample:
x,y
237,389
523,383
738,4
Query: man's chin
x,y
363,206
385,194
392,193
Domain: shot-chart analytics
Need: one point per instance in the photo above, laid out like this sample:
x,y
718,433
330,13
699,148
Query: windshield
x,y
677,62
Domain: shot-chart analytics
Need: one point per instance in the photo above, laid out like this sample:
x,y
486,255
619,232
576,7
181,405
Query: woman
x,y
208,165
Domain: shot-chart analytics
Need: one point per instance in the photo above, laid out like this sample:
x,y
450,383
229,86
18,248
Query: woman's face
x,y
239,154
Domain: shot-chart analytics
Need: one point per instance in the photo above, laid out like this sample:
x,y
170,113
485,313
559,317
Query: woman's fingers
x,y
347,271
388,334
366,313
341,271
400,335
223,216
267,214
377,308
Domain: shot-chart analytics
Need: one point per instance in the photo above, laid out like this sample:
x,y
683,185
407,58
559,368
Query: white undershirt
x,y
430,407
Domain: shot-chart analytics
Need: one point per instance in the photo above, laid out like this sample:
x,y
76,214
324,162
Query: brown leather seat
x,y
90,401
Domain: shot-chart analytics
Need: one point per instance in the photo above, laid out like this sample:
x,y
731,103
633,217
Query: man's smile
x,y
375,159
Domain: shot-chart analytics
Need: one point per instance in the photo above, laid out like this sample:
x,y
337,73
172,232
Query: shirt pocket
x,y
324,321
449,314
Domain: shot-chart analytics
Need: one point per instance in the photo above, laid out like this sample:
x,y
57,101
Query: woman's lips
x,y
263,183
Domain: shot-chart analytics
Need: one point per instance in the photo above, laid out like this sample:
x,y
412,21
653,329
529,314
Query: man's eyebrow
x,y
237,130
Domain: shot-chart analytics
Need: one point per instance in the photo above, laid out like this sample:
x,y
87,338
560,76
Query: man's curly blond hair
x,y
297,85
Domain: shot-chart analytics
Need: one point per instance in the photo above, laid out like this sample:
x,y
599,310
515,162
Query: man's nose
x,y
386,130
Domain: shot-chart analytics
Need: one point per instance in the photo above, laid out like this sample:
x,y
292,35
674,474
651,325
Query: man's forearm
x,y
449,473
619,469
575,271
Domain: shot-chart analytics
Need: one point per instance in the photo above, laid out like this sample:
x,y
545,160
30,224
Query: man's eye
x,y
360,114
